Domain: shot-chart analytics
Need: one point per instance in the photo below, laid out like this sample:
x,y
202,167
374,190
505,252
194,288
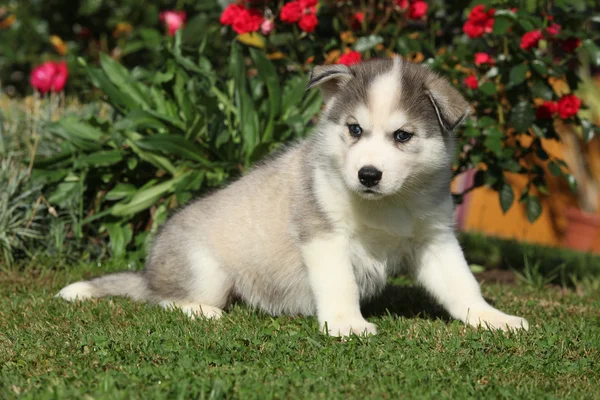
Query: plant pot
x,y
582,229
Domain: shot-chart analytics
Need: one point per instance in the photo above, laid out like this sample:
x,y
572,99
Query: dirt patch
x,y
502,276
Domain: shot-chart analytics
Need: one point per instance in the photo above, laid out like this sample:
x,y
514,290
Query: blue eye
x,y
355,130
401,136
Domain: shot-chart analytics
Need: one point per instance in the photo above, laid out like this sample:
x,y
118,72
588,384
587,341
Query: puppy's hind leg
x,y
206,291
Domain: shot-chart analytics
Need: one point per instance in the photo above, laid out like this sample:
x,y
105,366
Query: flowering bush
x,y
198,114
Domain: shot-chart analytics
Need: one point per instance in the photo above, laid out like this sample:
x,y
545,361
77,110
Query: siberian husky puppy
x,y
320,228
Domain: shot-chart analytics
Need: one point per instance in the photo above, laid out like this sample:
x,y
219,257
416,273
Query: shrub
x,y
224,91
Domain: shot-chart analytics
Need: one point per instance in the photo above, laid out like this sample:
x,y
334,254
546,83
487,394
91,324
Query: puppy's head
x,y
388,124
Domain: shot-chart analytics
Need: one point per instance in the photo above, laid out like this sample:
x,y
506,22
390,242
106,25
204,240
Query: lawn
x,y
114,348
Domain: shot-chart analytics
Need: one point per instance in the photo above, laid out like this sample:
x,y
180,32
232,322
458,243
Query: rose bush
x,y
227,89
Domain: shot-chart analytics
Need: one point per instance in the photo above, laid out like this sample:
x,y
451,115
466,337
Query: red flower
x,y
49,76
546,110
403,4
230,14
308,22
569,45
531,39
483,58
302,12
568,106
553,30
350,58
247,21
291,12
479,21
359,16
417,10
471,82
174,20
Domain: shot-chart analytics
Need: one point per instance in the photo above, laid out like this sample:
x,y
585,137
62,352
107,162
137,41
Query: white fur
x,y
76,291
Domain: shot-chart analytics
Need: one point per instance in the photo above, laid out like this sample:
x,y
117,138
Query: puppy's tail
x,y
130,284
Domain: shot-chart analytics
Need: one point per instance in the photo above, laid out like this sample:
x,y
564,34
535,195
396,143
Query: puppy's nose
x,y
369,176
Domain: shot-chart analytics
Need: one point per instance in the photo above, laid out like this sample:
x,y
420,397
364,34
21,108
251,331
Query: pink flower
x,y
267,26
49,76
173,20
531,39
350,58
417,10
553,30
483,58
471,82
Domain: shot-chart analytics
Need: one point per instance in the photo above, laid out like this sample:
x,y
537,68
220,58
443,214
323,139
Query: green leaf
x,y
77,133
555,169
181,89
507,197
120,236
89,7
174,145
501,24
521,117
494,144
542,90
116,97
476,268
145,198
488,88
248,116
268,73
64,193
533,208
99,159
517,74
367,43
539,67
572,183
121,191
140,120
588,130
486,121
120,77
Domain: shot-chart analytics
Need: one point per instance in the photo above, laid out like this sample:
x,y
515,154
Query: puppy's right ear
x,y
329,78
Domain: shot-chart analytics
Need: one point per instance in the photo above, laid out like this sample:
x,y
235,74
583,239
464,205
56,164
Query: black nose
x,y
369,176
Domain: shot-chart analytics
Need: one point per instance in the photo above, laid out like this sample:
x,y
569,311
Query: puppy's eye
x,y
401,136
355,130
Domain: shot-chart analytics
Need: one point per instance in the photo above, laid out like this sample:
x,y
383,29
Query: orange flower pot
x,y
583,230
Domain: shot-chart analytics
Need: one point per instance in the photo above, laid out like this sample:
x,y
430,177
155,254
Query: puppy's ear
x,y
450,106
329,78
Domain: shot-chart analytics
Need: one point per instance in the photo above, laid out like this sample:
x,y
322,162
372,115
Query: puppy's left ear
x,y
329,78
450,106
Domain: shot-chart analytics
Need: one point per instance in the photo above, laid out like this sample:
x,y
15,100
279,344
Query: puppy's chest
x,y
375,255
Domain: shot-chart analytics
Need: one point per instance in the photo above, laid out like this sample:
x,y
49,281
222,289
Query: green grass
x,y
114,348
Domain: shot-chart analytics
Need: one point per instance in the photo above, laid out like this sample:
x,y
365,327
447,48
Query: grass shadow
x,y
408,301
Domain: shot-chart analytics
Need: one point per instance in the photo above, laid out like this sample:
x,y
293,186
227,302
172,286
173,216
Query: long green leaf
x,y
146,198
268,73
119,75
174,144
245,105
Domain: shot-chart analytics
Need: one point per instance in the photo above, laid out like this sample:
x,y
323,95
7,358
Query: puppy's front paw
x,y
494,319
349,327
